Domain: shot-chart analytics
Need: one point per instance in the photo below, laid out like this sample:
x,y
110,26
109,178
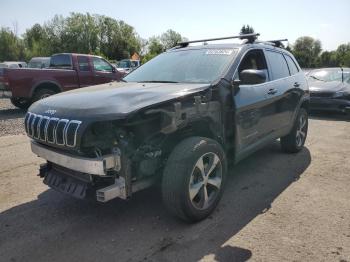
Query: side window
x,y
101,65
292,66
278,65
61,61
83,62
254,59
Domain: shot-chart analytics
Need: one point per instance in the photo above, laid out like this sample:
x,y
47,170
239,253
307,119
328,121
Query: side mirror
x,y
113,69
252,77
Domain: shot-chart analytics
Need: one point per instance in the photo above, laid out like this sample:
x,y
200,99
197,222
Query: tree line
x,y
82,33
116,40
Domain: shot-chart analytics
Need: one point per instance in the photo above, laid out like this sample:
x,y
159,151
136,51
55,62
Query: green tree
x,y
328,59
306,50
83,33
246,29
342,54
170,38
11,47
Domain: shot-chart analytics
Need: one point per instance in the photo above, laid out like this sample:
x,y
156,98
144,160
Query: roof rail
x,y
250,37
276,43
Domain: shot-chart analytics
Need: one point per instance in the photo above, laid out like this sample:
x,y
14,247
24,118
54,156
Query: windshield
x,y
124,64
186,66
326,75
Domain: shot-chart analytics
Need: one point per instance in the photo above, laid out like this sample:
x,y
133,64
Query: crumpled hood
x,y
319,86
111,101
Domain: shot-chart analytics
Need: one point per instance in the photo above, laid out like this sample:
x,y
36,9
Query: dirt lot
x,y
276,207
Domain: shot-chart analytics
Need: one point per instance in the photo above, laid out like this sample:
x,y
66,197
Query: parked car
x,y
330,89
39,62
173,120
13,64
127,65
66,72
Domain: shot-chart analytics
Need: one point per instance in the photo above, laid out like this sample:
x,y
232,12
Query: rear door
x,y
283,98
296,83
255,107
103,71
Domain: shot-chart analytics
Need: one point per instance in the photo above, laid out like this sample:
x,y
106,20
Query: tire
x,y
42,93
20,102
182,175
295,140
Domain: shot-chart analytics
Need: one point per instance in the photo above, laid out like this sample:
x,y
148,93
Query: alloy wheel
x,y
205,181
301,130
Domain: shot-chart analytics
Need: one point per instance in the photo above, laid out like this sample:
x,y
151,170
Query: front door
x,y
103,71
255,104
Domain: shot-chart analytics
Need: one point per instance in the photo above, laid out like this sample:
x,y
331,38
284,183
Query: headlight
x,y
341,94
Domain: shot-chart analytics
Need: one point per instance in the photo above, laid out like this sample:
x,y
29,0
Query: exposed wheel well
x,y
201,128
47,85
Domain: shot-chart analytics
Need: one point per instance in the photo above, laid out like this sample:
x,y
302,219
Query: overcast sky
x,y
328,21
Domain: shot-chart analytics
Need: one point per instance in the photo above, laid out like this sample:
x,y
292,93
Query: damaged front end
x,y
115,158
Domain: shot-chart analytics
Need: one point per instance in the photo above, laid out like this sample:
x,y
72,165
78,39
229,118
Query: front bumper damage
x,y
103,178
93,166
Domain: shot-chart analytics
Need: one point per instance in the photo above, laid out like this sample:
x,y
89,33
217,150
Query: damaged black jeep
x,y
176,121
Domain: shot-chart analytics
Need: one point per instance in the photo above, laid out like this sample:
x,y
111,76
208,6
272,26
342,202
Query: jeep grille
x,y
52,130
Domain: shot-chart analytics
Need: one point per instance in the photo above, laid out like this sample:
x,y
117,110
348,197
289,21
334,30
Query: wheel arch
x,y
52,85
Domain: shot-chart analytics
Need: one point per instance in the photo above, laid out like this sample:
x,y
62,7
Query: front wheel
x,y
194,178
295,140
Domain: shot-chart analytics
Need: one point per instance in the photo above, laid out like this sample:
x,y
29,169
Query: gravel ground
x,y
276,207
11,118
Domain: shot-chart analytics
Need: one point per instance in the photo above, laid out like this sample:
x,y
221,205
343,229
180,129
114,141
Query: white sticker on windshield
x,y
219,52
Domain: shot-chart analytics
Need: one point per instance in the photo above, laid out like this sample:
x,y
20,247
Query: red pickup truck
x,y
66,72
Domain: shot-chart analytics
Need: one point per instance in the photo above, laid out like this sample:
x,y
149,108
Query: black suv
x,y
174,121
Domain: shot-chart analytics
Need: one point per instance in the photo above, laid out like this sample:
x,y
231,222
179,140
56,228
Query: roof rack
x,y
276,43
249,37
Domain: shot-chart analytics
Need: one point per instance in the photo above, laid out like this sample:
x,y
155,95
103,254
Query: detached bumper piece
x,y
78,176
64,183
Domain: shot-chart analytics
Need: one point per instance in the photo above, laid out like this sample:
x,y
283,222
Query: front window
x,y
184,66
101,65
326,75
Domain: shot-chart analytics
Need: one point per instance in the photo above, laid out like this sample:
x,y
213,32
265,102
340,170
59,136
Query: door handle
x,y
272,91
296,84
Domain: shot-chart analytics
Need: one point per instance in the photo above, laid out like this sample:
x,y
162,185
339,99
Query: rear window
x,y
278,65
61,61
292,66
83,62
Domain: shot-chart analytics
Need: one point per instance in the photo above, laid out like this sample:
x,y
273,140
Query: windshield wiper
x,y
314,77
122,80
157,81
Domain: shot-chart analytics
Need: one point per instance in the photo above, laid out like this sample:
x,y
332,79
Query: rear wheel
x,y
20,102
194,178
42,93
294,141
